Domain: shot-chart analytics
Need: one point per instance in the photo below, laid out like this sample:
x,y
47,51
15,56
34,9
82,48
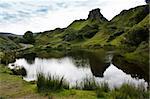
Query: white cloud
x,y
18,16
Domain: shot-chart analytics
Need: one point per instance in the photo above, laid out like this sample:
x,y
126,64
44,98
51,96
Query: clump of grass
x,y
128,91
87,84
102,89
50,83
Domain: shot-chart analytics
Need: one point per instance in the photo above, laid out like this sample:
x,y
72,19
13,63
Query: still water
x,y
76,67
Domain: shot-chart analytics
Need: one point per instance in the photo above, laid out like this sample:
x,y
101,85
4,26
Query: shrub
x,y
29,38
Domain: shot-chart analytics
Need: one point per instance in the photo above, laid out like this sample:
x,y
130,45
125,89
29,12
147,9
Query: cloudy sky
x,y
19,16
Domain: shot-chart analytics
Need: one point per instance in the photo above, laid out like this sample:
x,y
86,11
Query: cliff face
x,y
95,14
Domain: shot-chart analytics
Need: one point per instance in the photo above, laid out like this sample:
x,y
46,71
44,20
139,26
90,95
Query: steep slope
x,y
124,30
7,44
137,34
119,26
128,18
76,33
135,44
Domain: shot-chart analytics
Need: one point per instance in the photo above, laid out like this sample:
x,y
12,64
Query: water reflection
x,y
134,69
30,58
97,62
67,67
98,65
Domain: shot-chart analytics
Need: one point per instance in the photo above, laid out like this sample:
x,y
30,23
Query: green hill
x,y
76,33
95,31
7,44
128,31
119,25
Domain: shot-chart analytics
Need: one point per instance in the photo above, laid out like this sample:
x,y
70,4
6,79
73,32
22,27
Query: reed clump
x,y
51,83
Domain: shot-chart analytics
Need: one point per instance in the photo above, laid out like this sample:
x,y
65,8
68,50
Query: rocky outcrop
x,y
17,70
96,15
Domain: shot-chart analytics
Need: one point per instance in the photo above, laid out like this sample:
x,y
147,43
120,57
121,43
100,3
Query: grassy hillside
x,y
7,44
76,33
93,33
137,34
128,18
127,31
113,32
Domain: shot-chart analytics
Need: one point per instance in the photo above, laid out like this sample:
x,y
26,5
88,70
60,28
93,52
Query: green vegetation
x,y
128,91
135,35
127,33
128,18
28,37
140,54
78,24
102,90
7,44
12,86
50,83
87,84
7,57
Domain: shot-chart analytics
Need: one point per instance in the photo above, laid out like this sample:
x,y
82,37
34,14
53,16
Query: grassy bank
x,y
101,90
12,86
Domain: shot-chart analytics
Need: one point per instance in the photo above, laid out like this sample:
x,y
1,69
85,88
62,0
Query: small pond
x,y
77,66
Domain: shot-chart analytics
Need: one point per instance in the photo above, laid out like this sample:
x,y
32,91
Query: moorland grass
x,y
50,83
129,91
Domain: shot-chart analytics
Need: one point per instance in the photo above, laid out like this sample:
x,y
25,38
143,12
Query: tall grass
x,y
126,91
130,91
88,84
50,83
101,89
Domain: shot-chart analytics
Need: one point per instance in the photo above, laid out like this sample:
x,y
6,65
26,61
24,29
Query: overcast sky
x,y
19,16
